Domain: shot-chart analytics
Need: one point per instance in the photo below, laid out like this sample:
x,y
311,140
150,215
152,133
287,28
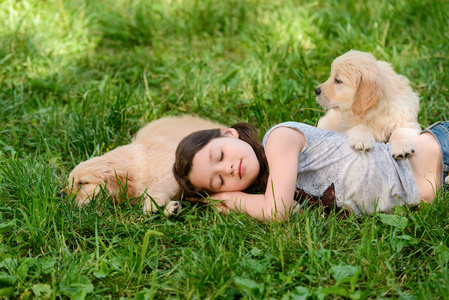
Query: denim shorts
x,y
440,131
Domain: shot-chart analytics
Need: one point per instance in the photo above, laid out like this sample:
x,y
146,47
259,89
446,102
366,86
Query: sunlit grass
x,y
78,78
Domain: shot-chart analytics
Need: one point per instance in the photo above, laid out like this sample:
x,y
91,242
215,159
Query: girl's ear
x,y
229,132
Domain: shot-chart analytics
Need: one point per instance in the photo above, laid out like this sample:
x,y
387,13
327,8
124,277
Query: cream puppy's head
x,y
355,83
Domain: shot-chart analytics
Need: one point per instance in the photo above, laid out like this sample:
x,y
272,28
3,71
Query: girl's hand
x,y
220,205
236,201
222,209
227,199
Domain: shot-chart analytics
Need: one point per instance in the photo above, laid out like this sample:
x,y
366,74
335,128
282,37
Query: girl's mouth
x,y
241,169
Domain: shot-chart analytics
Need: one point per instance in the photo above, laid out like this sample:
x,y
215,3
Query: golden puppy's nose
x,y
317,91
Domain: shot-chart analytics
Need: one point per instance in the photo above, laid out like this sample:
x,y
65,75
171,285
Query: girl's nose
x,y
228,168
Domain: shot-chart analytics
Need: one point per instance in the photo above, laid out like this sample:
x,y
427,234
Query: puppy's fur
x,y
369,102
143,167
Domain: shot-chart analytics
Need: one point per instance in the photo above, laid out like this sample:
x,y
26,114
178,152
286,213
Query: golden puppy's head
x,y
355,83
91,176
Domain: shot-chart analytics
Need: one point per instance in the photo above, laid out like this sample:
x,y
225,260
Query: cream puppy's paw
x,y
402,150
360,137
362,142
172,208
402,142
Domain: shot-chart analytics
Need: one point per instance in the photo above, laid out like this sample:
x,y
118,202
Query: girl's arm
x,y
282,150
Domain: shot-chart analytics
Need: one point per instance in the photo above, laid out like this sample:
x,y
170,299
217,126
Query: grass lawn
x,y
79,78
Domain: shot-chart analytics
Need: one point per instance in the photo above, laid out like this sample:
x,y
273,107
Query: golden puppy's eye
x,y
338,81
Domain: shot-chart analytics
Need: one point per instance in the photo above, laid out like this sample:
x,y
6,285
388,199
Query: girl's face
x,y
225,164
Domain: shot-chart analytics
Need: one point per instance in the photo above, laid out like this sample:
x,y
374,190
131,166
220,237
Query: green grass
x,y
78,78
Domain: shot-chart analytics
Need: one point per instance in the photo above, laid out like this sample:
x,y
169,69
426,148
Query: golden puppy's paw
x,y
401,150
362,141
172,208
149,206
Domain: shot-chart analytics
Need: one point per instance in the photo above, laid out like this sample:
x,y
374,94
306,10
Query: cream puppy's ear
x,y
368,91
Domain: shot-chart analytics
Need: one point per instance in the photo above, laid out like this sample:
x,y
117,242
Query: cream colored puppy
x,y
141,168
369,102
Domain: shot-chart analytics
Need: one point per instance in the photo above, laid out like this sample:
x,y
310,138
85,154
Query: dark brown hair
x,y
194,142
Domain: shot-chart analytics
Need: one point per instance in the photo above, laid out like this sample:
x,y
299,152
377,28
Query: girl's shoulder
x,y
310,132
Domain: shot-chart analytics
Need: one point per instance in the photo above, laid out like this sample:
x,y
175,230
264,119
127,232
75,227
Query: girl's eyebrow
x,y
210,154
210,184
210,161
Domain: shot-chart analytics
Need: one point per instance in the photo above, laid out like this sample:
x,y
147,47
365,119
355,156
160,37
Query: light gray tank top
x,y
363,181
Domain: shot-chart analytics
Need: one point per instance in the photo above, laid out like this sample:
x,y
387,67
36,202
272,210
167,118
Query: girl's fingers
x,y
222,209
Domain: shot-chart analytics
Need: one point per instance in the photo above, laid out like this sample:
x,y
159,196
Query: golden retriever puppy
x,y
141,168
369,102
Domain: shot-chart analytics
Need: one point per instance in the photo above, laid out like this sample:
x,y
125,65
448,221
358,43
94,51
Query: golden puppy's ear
x,y
368,91
120,184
